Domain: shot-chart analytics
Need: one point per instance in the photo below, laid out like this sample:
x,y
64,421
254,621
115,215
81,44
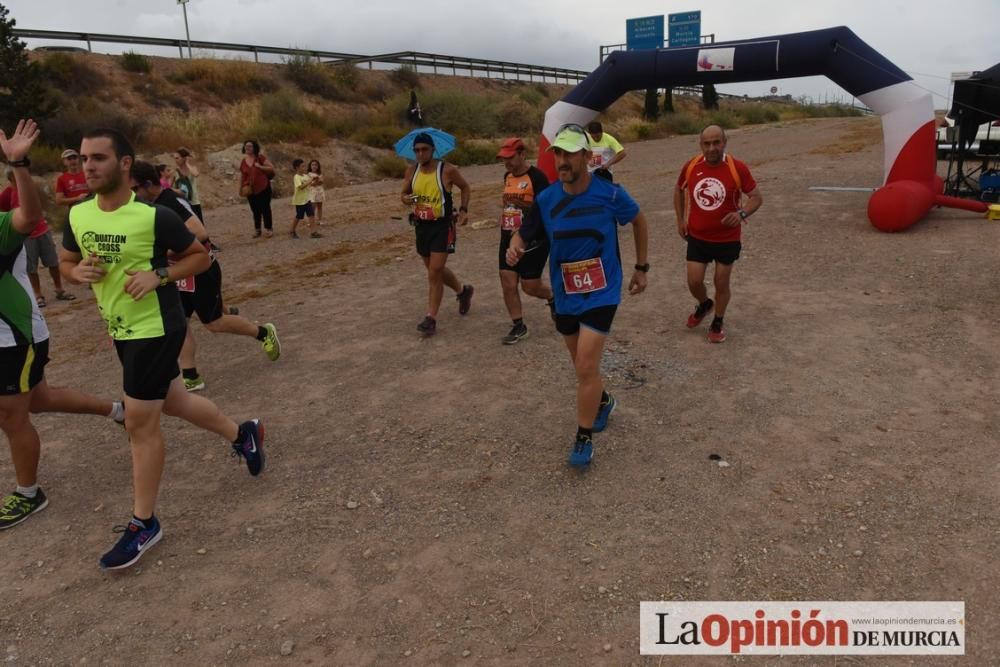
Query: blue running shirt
x,y
582,227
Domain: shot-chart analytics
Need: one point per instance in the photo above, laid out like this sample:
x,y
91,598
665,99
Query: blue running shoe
x,y
137,537
251,447
603,413
582,452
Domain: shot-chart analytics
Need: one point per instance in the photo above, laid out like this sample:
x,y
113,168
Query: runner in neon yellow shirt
x,y
605,151
126,244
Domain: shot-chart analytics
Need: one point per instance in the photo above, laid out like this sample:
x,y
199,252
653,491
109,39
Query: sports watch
x,y
743,214
164,274
23,162
642,267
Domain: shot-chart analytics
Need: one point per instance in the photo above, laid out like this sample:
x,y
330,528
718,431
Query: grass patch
x,y
378,136
71,74
68,126
135,62
229,79
390,166
45,157
312,77
405,76
468,153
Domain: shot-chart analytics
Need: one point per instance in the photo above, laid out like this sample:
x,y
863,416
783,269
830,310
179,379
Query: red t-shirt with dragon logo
x,y
711,194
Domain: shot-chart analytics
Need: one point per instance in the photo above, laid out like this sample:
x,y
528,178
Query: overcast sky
x,y
929,39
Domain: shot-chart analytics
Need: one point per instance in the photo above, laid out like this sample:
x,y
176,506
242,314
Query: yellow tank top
x,y
433,203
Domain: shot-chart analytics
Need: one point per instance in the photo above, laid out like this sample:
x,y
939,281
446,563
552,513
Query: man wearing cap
x,y
605,151
580,218
71,186
521,184
427,188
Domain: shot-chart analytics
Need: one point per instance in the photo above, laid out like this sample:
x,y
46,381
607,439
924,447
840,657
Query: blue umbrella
x,y
444,143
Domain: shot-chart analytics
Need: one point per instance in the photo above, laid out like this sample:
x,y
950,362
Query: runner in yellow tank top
x,y
427,188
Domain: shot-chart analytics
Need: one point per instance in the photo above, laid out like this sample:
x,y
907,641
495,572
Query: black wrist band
x,y
23,162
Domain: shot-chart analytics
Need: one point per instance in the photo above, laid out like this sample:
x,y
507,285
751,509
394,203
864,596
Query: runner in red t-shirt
x,y
71,186
710,218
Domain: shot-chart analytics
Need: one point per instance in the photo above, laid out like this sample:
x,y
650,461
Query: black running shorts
x,y
532,262
149,365
435,236
599,319
706,252
22,367
206,299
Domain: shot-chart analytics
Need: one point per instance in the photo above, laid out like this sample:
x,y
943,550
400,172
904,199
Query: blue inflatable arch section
x,y
911,185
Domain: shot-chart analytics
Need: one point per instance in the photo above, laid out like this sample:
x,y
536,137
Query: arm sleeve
x,y
170,230
624,207
532,227
69,238
539,181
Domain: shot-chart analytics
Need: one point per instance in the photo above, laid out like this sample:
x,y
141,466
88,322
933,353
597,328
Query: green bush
x,y
390,166
71,74
229,79
460,112
346,75
829,110
312,77
46,158
681,122
378,136
755,114
516,116
471,153
67,127
725,119
135,62
406,76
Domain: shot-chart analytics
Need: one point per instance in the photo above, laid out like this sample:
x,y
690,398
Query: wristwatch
x,y
23,162
642,267
743,214
164,274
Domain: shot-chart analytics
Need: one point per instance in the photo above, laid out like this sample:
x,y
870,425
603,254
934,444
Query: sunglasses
x,y
575,128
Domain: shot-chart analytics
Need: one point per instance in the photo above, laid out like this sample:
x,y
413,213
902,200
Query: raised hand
x,y
17,145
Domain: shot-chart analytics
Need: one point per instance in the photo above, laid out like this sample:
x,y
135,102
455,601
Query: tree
x,y
652,108
23,93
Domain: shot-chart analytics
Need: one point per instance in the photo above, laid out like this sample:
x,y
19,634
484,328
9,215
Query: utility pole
x,y
183,4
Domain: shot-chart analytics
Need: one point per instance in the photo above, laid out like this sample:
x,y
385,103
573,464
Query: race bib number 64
x,y
584,276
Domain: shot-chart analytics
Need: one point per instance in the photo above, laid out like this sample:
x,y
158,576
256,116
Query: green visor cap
x,y
571,138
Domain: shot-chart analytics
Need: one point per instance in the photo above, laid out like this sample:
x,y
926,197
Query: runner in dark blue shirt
x,y
580,219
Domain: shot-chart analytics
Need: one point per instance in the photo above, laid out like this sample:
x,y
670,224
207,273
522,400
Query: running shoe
x,y
582,452
716,334
315,235
428,327
194,384
465,299
603,413
517,332
118,412
137,537
271,344
703,309
293,235
16,508
252,446
256,234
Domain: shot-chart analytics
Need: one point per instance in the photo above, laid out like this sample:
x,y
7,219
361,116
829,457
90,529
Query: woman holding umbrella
x,y
427,187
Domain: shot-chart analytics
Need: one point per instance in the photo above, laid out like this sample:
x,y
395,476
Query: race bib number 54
x,y
510,220
583,276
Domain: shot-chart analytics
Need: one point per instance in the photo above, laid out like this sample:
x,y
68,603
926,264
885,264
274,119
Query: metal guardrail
x,y
492,68
607,49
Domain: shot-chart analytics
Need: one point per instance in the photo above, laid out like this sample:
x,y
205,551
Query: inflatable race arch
x,y
911,184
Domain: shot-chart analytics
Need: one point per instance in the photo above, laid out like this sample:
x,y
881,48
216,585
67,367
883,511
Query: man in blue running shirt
x,y
581,220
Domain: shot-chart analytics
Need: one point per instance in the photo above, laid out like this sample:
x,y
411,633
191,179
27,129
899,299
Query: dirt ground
x,y
417,508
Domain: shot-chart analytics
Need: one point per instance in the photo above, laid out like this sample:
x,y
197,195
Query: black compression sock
x,y
146,523
584,433
518,322
189,373
261,333
717,323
